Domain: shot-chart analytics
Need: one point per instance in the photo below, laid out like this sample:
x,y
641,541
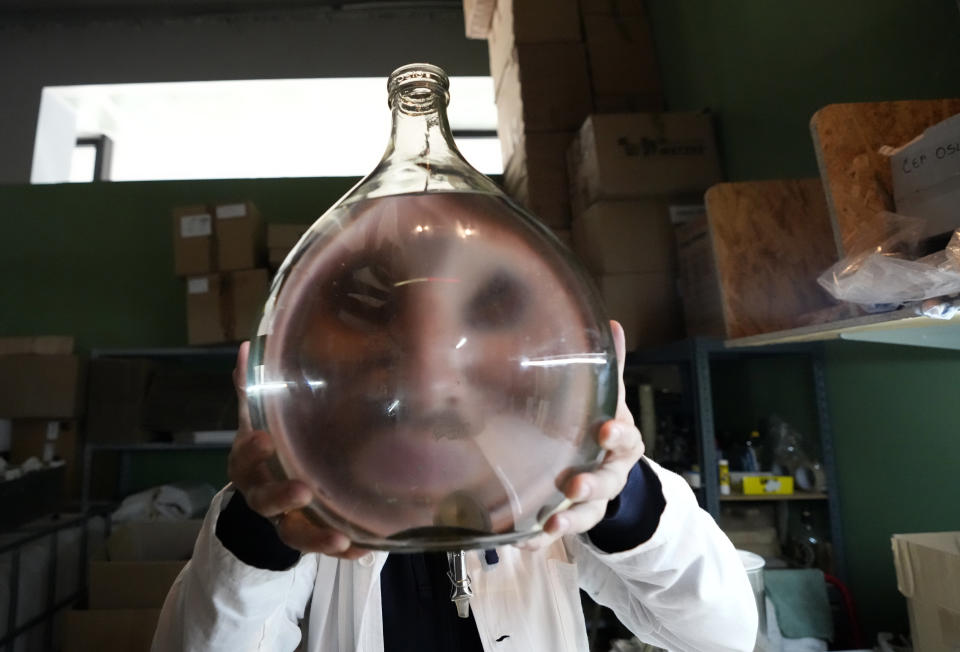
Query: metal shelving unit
x,y
902,326
16,541
126,450
694,357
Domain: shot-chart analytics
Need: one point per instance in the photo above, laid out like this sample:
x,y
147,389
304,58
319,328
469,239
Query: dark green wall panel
x,y
96,260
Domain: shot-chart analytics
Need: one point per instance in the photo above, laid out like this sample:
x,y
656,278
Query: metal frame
x,y
103,155
695,355
8,641
126,452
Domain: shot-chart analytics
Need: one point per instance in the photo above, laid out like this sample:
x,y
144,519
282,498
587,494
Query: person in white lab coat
x,y
264,577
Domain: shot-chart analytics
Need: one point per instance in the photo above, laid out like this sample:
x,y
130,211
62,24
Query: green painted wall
x,y
893,411
764,68
96,260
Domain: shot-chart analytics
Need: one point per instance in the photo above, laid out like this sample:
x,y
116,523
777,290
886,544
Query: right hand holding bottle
x,y
280,501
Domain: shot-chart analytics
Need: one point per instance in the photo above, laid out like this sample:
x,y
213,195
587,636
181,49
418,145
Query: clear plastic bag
x,y
884,276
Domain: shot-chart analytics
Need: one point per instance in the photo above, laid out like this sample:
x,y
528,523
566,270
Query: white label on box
x,y
683,213
198,285
195,226
227,211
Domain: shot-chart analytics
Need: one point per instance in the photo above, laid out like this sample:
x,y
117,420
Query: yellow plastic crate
x,y
767,484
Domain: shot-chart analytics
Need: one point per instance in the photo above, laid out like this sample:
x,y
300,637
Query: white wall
x,y
297,44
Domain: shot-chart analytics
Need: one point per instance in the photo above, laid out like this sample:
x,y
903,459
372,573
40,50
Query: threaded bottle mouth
x,y
418,88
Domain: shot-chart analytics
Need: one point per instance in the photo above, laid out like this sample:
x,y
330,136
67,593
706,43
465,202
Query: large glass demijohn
x,y
431,361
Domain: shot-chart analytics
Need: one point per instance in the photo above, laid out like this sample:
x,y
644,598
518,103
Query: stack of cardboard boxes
x,y
41,387
539,66
128,582
626,171
281,238
553,63
219,249
587,149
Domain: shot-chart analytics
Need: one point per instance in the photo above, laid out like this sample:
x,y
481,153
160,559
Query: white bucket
x,y
753,564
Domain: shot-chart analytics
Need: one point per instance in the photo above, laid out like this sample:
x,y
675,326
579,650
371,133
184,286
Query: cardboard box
x,y
761,541
645,304
44,345
285,235
225,307
545,88
131,584
48,441
116,390
615,7
193,245
204,314
248,291
697,281
756,485
142,541
629,155
926,177
613,39
276,256
477,15
239,234
623,236
928,568
41,386
536,176
95,630
525,22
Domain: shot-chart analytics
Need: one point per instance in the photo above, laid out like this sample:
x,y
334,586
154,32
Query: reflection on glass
x,y
430,360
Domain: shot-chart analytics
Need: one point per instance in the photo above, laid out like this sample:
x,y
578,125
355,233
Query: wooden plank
x,y
856,177
770,239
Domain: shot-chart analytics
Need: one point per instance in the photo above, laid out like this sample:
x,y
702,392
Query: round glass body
x,y
433,365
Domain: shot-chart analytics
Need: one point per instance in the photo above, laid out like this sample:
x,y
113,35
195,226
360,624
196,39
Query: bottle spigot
x,y
461,582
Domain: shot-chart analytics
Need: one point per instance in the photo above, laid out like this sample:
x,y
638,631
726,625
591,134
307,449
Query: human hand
x,y
281,501
591,491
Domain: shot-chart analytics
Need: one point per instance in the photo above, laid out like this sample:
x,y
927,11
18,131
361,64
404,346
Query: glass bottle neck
x,y
420,136
421,155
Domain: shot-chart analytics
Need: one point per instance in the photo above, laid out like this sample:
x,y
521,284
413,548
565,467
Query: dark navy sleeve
x,y
633,516
252,539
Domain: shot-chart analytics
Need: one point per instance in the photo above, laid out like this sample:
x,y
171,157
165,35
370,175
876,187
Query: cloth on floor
x,y
800,600
775,642
171,501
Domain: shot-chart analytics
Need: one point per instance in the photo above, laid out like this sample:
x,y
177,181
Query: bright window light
x,y
254,129
82,163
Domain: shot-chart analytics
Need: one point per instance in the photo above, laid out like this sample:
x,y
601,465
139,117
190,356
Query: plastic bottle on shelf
x,y
751,452
724,473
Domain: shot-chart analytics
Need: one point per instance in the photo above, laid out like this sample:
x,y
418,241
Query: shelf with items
x,y
774,497
147,407
902,326
700,365
126,451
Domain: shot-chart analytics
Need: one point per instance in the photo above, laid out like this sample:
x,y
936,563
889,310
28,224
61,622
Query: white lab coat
x,y
683,589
